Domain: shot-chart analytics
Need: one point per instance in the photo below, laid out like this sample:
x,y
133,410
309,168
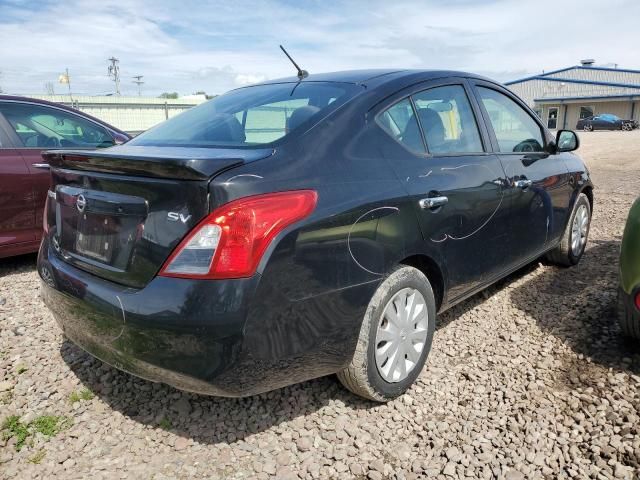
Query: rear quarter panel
x,y
318,276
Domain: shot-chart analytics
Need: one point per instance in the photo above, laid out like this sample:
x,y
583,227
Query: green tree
x,y
169,95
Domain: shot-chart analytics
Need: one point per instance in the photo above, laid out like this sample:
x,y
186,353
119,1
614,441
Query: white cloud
x,y
214,46
244,79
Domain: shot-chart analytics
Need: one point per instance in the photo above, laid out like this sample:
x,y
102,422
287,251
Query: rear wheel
x,y
395,337
574,239
587,127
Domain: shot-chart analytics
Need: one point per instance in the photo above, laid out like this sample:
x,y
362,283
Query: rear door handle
x,y
522,184
433,202
44,166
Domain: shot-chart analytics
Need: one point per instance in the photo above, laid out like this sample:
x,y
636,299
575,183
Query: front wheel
x,y
574,239
395,337
588,128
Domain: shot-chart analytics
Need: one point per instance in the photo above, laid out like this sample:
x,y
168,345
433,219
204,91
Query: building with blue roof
x,y
562,97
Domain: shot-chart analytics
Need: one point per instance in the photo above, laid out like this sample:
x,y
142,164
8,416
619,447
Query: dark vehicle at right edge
x,y
629,289
605,121
305,227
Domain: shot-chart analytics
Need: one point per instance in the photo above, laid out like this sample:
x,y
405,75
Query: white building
x,y
131,114
561,97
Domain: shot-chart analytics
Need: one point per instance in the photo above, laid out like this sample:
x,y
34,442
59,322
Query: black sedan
x,y
605,121
305,227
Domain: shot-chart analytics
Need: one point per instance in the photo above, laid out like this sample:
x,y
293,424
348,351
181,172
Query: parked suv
x,y
300,228
27,128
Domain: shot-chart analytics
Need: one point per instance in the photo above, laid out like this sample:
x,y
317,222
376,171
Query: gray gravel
x,y
530,379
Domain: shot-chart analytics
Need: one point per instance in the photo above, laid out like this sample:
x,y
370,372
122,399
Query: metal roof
x,y
544,76
590,97
586,82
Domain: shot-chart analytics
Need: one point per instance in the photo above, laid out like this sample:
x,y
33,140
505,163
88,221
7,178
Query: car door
x,y
16,197
455,184
598,123
37,128
539,182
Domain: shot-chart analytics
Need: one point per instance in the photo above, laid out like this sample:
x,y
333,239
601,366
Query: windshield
x,y
250,116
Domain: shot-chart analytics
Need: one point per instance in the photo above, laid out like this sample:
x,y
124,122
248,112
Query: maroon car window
x,y
39,126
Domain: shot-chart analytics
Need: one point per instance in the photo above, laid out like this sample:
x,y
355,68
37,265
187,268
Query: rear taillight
x,y
230,242
637,300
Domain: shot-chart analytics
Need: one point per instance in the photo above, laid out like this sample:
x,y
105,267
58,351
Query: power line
x,y
114,72
138,81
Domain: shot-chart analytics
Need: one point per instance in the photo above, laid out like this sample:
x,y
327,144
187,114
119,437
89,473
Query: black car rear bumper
x,y
227,338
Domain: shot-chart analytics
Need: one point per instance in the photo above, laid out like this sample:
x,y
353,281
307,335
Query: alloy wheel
x,y
401,335
579,230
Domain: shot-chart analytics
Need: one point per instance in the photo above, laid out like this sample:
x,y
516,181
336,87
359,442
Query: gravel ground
x,y
530,379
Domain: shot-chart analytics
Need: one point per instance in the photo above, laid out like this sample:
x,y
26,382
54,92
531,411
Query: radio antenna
x,y
301,73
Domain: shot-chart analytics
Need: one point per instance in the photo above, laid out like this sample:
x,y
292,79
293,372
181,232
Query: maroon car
x,y
27,128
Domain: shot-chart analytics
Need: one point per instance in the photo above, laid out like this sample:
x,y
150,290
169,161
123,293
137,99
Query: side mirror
x,y
119,139
567,141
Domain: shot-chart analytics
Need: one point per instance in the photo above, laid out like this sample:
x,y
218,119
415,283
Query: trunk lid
x,y
119,213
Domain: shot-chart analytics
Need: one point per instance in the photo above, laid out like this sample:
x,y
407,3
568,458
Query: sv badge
x,y
175,216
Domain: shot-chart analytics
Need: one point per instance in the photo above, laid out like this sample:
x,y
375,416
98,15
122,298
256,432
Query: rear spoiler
x,y
159,162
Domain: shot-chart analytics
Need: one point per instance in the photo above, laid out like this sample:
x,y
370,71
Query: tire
x,y
628,317
588,128
363,376
564,255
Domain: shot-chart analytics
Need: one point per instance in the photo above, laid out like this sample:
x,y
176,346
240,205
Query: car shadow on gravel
x,y
19,264
205,419
578,306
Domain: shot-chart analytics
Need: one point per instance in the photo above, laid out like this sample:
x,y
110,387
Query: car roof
x,y
377,76
37,101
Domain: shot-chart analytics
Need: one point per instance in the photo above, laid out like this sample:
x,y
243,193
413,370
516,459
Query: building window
x,y
586,112
552,119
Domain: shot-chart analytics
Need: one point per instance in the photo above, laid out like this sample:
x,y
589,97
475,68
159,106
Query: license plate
x,y
96,236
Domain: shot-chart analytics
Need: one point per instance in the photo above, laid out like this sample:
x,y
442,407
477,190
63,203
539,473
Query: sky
x,y
214,46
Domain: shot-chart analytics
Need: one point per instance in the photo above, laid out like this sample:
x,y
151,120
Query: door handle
x,y
523,184
44,166
433,202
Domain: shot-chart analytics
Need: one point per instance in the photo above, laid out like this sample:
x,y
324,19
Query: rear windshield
x,y
250,116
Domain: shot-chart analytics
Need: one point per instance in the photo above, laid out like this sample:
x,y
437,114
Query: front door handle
x,y
523,184
433,202
44,166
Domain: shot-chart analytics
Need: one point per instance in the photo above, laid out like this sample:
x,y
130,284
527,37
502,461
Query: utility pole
x,y
138,81
48,87
114,72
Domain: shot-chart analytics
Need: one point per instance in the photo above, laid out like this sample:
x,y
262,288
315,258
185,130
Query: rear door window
x,y
447,120
400,122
